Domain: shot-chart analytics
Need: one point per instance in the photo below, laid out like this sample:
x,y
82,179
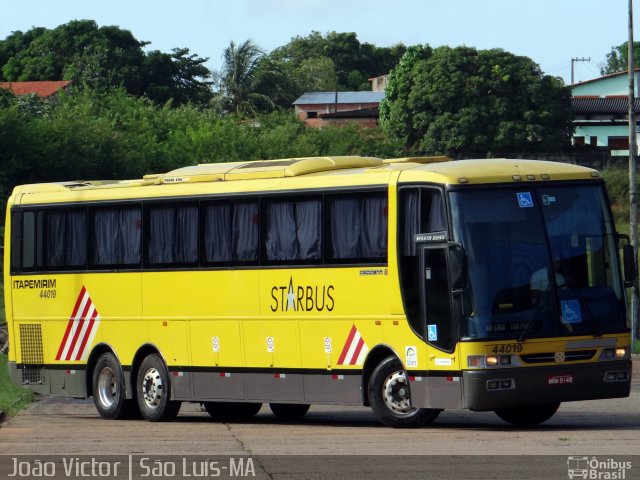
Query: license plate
x,y
560,379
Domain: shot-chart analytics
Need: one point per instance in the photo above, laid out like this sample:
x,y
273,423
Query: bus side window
x,y
62,238
357,225
172,235
28,240
117,236
230,232
293,230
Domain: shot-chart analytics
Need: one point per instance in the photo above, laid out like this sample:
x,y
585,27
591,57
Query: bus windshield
x,y
541,260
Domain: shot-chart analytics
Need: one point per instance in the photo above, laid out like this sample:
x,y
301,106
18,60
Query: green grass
x,y
12,397
2,317
636,347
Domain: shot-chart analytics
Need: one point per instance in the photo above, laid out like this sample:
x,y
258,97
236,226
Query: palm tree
x,y
241,79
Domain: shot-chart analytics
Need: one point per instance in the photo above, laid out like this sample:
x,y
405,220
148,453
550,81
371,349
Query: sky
x,y
551,32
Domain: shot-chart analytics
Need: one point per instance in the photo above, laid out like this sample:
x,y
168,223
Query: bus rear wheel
x,y
154,391
109,394
231,410
390,397
528,416
289,411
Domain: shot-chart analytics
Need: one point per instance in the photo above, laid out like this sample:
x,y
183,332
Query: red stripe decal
x,y
347,344
70,323
354,359
81,321
87,335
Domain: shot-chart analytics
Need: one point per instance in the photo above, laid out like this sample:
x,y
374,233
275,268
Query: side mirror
x,y
628,260
458,266
629,265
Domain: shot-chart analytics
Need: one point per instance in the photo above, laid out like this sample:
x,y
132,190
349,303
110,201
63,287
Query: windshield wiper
x,y
536,314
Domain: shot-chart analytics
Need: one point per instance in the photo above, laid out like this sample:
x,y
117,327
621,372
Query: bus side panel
x,y
60,318
216,302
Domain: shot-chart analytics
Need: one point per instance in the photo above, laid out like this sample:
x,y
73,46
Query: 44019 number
x,y
507,348
47,294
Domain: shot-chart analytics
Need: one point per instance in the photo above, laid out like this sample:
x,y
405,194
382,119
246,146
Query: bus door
x,y
436,299
442,281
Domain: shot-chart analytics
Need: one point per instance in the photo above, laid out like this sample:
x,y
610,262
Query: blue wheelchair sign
x,y
432,333
571,311
525,200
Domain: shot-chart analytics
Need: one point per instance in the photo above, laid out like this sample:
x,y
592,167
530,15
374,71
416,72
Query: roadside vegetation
x,y
12,397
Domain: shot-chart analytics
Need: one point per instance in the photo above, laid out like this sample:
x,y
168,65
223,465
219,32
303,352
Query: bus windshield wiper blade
x,y
536,314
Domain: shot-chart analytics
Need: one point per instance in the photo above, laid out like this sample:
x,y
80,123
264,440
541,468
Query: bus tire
x,y
289,411
109,394
153,388
528,416
390,397
231,410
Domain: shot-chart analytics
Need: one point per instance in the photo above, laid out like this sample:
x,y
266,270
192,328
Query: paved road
x,y
602,428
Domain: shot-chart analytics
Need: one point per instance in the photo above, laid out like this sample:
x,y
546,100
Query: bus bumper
x,y
504,388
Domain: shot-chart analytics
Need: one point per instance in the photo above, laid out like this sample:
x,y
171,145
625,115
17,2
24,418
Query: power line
x,y
573,61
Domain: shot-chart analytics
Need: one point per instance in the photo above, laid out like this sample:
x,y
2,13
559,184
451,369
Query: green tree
x,y
334,61
241,82
617,58
102,58
179,77
462,100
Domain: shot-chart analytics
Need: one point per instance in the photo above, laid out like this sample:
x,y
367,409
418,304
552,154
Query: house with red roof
x,y
44,89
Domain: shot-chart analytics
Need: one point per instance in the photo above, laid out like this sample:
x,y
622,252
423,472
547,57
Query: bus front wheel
x,y
108,389
390,397
528,416
154,391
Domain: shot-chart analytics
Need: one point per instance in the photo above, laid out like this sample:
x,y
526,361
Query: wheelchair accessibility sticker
x,y
432,333
571,311
525,200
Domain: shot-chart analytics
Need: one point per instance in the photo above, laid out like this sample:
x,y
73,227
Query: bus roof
x,y
338,170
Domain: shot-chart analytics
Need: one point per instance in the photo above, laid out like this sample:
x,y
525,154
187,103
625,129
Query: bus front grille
x,y
550,357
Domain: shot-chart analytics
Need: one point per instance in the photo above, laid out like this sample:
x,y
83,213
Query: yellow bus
x,y
410,285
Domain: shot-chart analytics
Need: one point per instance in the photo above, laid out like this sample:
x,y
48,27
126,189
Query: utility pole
x,y
633,183
573,61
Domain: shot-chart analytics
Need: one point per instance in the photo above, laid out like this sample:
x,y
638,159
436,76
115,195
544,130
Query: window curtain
x,y
173,235
118,236
185,247
245,226
309,229
374,233
358,227
411,216
346,227
294,230
217,233
281,240
65,239
162,224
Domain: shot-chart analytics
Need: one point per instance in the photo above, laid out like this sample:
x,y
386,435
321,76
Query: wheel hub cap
x,y
152,388
395,392
107,389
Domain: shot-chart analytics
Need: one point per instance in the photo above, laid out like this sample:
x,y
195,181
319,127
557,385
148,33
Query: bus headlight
x,y
480,361
620,352
491,360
